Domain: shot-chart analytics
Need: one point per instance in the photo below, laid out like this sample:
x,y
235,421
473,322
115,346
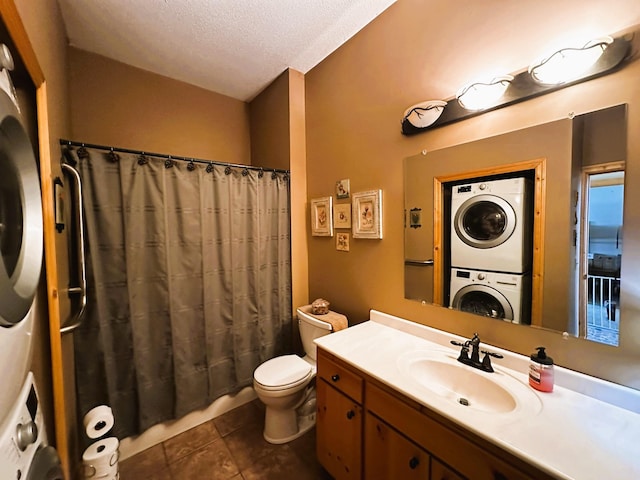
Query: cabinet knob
x,y
351,414
413,463
335,377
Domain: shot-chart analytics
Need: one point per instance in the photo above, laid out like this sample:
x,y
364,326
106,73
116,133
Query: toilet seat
x,y
282,373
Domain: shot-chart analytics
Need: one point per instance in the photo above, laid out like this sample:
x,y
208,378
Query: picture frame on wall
x,y
322,217
342,188
366,215
342,241
342,215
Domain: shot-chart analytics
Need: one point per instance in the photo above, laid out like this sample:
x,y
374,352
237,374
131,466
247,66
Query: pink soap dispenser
x,y
541,371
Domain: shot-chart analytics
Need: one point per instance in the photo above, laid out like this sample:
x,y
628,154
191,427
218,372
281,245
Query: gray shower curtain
x,y
189,283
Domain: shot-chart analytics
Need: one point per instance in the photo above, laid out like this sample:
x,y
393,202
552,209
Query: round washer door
x,y
20,217
483,300
45,465
485,221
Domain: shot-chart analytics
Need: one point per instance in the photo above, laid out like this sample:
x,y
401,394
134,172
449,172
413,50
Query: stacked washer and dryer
x,y
24,451
491,238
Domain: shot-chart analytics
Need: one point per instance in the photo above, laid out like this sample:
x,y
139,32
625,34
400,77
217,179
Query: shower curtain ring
x,y
142,159
227,170
261,173
210,167
168,163
191,166
113,156
274,175
245,172
82,152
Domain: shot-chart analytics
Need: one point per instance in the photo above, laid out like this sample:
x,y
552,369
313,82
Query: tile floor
x,y
230,446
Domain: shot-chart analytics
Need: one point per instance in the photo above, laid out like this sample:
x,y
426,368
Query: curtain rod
x,y
172,157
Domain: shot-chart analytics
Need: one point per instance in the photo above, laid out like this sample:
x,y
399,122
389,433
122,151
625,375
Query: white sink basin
x,y
468,387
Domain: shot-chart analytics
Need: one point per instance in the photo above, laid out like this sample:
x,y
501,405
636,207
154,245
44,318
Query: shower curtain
x,y
189,283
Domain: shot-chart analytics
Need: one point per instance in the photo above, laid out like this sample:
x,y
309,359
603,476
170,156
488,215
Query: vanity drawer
x,y
337,374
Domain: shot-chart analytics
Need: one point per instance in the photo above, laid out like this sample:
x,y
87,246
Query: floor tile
x,y
305,448
211,462
230,447
190,441
247,444
150,463
282,464
243,415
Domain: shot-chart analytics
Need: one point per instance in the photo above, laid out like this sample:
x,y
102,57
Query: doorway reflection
x,y
603,193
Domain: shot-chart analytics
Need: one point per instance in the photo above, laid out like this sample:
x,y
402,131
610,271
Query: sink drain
x,y
463,401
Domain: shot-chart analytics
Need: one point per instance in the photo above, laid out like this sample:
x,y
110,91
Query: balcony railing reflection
x,y
603,309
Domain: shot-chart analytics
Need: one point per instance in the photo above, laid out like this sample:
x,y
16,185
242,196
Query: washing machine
x,y
20,240
503,296
24,451
491,225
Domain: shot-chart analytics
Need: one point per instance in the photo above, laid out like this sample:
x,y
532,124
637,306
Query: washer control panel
x,y
21,433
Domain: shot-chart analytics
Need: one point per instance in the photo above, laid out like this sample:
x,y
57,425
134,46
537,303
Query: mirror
x,y
571,173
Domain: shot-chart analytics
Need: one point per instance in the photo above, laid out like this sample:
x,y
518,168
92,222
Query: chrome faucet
x,y
473,360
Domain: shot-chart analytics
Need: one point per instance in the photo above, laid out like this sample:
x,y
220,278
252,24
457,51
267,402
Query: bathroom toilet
x,y
286,384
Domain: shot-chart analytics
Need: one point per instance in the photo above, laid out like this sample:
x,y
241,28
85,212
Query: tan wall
x,y
355,101
118,105
278,141
269,118
298,161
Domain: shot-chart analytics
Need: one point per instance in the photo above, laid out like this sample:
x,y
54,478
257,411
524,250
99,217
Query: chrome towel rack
x,y
419,263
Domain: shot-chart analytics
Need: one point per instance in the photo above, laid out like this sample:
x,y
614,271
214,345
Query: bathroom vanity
x,y
393,402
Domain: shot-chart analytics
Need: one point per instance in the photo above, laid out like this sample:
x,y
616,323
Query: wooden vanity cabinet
x,y
390,455
439,471
390,436
339,420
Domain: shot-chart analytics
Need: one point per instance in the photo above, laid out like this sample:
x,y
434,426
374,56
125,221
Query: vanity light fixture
x,y
568,63
422,115
481,95
597,58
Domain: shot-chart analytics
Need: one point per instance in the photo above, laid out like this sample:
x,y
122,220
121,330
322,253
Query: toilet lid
x,y
282,371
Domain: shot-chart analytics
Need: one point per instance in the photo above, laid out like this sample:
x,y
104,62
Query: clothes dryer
x,y
503,296
20,241
24,451
491,226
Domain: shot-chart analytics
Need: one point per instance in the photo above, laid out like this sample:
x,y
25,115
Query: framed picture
x,y
367,214
342,188
415,218
342,241
342,215
322,217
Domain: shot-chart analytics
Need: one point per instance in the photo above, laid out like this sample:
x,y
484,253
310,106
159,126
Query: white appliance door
x,y
20,218
484,221
483,300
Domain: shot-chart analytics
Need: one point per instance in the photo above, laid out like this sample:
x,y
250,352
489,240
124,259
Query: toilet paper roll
x,y
100,459
98,421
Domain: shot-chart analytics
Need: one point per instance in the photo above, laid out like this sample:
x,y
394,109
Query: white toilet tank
x,y
311,328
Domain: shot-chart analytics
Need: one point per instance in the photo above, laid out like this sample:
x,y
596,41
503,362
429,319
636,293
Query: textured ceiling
x,y
233,47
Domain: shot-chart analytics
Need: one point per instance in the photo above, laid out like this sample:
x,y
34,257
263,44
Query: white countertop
x,y
585,429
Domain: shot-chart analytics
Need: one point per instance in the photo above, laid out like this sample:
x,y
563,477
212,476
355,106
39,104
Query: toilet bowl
x,y
286,385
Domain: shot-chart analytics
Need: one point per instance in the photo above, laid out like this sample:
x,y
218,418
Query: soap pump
x,y
541,371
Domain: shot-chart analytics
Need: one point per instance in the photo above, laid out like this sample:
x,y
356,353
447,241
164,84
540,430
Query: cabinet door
x,y
338,433
439,471
390,456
